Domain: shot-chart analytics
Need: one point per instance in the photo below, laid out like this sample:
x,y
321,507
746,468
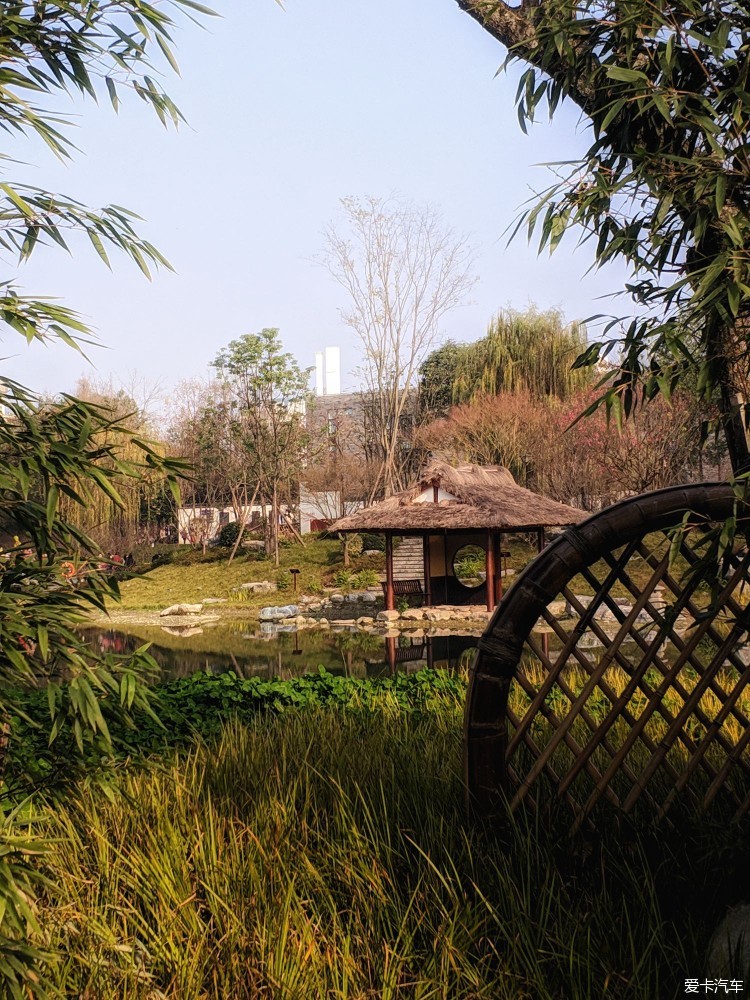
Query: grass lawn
x,y
191,578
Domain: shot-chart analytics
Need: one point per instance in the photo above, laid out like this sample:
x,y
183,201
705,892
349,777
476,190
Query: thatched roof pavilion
x,y
454,506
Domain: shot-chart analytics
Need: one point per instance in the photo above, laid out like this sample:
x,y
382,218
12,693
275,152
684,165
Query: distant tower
x,y
328,372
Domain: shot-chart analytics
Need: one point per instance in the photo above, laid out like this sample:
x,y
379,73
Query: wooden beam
x,y
427,572
489,570
540,539
389,602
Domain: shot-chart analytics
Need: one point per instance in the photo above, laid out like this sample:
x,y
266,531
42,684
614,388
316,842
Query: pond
x,y
252,653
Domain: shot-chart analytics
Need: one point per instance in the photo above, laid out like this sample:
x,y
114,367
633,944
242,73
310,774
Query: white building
x,y
198,524
318,509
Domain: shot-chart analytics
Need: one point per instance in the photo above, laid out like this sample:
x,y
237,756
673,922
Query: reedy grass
x,y
326,853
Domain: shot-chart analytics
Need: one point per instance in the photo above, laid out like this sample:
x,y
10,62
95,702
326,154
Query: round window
x,y
469,566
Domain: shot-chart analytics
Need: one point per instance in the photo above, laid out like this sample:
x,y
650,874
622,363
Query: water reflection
x,y
287,654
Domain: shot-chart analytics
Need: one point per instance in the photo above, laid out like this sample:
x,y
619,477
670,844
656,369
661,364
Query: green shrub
x,y
469,568
343,579
372,542
283,579
355,545
365,578
162,559
228,534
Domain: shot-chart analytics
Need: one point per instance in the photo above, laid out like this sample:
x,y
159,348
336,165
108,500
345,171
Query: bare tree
x,y
402,270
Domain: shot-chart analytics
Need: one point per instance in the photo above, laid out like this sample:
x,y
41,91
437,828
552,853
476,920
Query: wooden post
x,y
390,653
489,570
445,562
427,572
389,602
499,566
540,539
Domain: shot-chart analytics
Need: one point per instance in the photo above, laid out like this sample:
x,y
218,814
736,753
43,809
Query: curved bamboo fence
x,y
607,674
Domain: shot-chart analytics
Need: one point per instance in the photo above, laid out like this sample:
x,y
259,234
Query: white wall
x,y
214,517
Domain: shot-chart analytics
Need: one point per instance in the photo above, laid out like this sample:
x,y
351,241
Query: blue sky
x,y
289,110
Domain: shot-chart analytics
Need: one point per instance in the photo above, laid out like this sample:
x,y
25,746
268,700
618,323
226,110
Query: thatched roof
x,y
485,496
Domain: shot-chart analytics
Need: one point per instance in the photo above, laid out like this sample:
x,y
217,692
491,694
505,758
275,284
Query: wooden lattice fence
x,y
602,679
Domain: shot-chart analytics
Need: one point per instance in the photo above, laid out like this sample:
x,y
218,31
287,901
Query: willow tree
x,y
115,524
664,185
531,352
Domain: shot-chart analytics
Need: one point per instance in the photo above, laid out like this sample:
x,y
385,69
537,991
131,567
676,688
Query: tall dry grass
x,y
326,854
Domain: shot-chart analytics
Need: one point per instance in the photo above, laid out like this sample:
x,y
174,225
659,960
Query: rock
x,y
413,614
182,631
259,587
215,600
277,614
315,607
368,597
255,545
324,622
337,598
415,633
365,620
729,948
392,633
346,621
353,597
388,616
182,609
371,552
437,615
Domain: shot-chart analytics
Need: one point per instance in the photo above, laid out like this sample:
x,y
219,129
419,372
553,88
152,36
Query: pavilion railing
x,y
612,675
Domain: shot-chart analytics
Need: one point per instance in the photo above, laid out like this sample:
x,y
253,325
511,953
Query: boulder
x,y
181,609
259,587
324,622
337,598
389,616
729,948
278,614
368,597
315,607
437,615
182,631
413,614
215,600
365,620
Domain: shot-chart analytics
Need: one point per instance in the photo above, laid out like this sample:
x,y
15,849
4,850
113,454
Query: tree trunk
x,y
733,385
246,511
275,515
